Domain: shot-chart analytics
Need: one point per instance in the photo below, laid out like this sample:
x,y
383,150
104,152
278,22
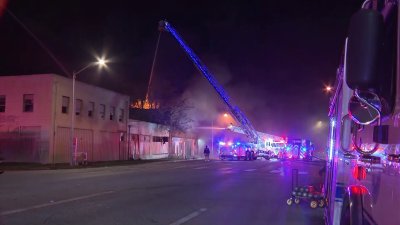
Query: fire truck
x,y
270,147
244,123
362,182
299,149
235,151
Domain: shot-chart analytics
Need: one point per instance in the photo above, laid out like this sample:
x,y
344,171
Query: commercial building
x,y
36,120
36,114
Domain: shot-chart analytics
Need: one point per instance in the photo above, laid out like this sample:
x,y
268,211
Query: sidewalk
x,y
10,166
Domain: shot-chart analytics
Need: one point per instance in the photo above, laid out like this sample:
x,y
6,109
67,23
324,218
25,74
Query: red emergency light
x,y
358,190
359,173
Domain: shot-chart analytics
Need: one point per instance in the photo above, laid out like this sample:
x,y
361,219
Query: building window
x,y
157,139
160,139
65,104
91,109
27,103
112,112
121,115
102,111
78,106
2,103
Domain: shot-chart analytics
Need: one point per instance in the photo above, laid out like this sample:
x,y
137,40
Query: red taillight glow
x,y
359,173
358,190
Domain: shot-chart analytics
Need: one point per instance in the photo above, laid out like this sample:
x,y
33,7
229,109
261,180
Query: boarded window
x,y
78,106
27,103
121,115
160,139
65,104
165,139
2,103
91,109
102,111
112,113
157,139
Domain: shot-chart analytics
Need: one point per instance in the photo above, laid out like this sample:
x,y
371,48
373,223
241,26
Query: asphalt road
x,y
167,193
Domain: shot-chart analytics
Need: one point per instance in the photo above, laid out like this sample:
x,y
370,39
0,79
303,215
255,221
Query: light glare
x,y
102,62
328,89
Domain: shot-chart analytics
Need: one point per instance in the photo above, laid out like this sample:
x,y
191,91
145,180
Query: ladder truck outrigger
x,y
362,183
239,116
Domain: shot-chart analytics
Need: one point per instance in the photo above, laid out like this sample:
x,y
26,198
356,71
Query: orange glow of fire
x,y
145,104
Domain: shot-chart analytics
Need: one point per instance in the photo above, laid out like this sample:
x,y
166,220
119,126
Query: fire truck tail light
x,y
358,190
359,173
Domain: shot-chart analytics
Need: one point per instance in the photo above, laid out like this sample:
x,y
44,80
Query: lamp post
x,y
101,63
212,137
225,116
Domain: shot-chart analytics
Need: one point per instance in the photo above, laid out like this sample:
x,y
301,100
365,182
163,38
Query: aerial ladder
x,y
245,125
262,135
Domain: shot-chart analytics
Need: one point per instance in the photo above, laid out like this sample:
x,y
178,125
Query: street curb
x,y
15,166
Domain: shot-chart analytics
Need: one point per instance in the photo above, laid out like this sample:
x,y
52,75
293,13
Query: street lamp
x,y
101,63
225,115
328,89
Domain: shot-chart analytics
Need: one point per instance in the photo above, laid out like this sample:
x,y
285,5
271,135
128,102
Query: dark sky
x,y
272,57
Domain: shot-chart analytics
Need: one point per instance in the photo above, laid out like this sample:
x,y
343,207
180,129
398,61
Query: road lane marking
x,y
225,168
278,171
189,217
250,170
179,167
5,213
200,168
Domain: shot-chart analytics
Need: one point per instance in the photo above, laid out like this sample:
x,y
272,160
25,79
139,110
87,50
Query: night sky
x,y
272,57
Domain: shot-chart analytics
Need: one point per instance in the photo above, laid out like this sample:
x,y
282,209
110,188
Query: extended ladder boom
x,y
239,116
263,136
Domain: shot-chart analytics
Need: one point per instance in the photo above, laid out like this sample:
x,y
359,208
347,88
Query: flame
x,y
145,104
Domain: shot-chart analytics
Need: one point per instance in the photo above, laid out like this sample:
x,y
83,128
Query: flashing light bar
x,y
331,138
